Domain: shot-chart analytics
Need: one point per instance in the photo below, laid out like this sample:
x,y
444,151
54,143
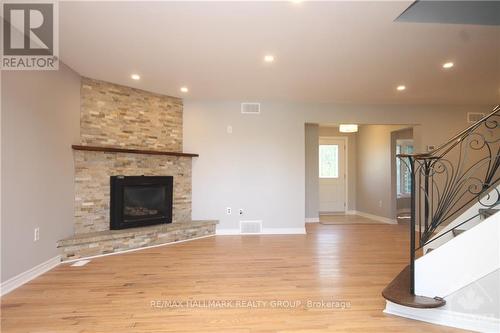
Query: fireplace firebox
x,y
138,201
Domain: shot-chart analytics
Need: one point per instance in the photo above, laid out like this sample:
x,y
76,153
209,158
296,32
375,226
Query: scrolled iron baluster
x,y
455,184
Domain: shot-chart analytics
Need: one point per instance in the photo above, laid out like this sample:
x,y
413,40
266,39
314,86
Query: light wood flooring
x,y
349,263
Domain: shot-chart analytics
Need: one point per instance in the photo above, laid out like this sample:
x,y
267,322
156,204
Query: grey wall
x,y
374,185
261,166
312,170
40,121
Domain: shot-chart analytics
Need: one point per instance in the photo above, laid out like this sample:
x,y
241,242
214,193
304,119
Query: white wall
x,y
460,261
261,166
40,121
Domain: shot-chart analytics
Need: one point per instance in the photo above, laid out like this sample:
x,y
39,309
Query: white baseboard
x,y
374,217
312,219
265,231
20,279
446,318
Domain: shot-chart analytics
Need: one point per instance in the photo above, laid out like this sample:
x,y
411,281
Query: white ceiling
x,y
325,51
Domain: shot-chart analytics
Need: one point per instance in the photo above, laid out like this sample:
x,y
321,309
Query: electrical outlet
x,y
380,203
241,211
228,211
36,236
229,129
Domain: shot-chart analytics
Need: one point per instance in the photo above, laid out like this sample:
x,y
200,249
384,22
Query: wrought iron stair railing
x,y
450,179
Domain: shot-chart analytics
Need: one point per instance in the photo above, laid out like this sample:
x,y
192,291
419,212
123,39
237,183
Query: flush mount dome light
x,y
135,77
348,128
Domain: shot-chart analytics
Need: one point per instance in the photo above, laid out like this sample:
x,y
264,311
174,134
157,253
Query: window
x,y
328,161
403,177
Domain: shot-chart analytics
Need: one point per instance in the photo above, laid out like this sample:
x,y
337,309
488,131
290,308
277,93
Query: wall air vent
x,y
250,108
474,117
250,227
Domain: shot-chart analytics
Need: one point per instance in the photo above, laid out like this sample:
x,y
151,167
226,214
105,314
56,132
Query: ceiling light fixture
x,y
269,58
184,89
348,128
401,88
448,65
135,77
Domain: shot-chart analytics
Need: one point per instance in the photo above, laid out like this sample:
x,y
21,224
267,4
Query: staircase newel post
x,y
412,224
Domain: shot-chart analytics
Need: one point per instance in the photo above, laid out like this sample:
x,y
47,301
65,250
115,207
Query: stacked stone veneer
x,y
92,188
124,117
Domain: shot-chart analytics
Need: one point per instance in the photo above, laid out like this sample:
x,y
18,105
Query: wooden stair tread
x,y
398,291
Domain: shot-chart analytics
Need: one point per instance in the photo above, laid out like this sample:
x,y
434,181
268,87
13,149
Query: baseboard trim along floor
x,y
25,277
265,231
446,318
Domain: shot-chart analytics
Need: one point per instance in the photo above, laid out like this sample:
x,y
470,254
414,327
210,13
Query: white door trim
x,y
346,164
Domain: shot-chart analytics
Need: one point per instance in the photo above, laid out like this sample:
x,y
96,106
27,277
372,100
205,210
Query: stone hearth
x,y
110,241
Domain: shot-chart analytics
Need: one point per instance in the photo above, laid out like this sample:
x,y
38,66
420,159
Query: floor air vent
x,y
250,108
250,227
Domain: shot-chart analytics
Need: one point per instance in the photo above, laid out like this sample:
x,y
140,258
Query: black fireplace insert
x,y
138,201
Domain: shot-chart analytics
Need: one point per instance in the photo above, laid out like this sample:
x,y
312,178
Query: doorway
x,y
402,143
332,174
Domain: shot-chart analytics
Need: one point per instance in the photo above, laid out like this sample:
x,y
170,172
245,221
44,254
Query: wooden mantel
x,y
131,151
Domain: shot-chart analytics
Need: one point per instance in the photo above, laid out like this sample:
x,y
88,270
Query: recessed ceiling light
x,y
269,58
184,89
401,88
448,65
135,77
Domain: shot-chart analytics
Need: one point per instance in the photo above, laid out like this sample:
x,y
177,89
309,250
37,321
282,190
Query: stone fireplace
x,y
126,133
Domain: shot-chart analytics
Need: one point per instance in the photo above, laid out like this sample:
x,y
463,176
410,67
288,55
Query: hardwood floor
x,y
350,263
